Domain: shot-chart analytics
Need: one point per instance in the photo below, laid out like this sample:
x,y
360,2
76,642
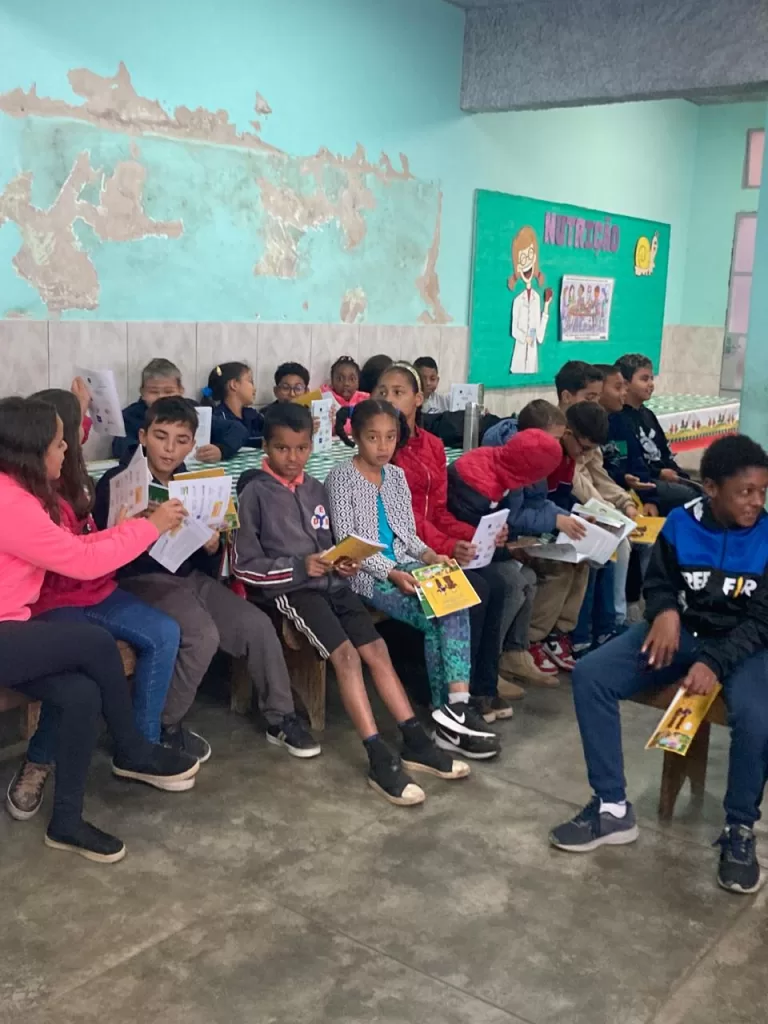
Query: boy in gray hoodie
x,y
284,530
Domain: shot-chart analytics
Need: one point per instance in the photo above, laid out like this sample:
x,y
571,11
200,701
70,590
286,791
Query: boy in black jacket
x,y
637,454
706,595
209,614
284,529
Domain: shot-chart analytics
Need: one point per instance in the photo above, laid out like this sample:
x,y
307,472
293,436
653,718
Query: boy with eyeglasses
x,y
291,382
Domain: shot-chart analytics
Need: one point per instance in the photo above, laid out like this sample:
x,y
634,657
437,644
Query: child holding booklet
x,y
370,497
506,588
284,530
706,594
210,615
153,635
76,667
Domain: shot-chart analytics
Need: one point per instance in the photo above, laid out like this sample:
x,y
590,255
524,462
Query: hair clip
x,y
218,371
207,393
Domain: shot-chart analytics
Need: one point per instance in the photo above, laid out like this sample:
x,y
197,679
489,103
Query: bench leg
x,y
30,716
241,692
696,758
307,672
672,778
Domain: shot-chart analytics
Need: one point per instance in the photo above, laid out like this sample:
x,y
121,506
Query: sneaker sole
x,y
446,745
398,801
17,814
739,889
612,839
98,858
417,766
168,783
504,715
293,751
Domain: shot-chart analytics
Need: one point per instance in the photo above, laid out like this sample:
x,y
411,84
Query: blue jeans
x,y
598,609
617,671
155,638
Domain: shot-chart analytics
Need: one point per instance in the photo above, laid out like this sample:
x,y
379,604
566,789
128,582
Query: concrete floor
x,y
286,891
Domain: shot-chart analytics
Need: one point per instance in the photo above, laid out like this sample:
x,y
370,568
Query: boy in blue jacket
x,y
161,378
706,594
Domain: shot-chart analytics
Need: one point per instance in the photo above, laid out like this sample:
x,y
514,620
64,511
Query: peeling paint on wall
x,y
317,219
353,306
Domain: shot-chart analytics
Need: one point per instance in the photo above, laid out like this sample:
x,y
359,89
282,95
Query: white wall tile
x,y
329,341
24,345
280,343
167,340
380,339
224,343
421,341
454,355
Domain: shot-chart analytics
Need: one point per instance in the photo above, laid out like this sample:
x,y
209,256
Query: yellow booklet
x,y
443,589
308,398
353,547
232,519
647,530
681,721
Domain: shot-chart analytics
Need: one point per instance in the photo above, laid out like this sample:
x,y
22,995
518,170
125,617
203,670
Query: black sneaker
x,y
87,840
167,769
421,755
739,870
386,776
483,707
292,734
459,727
591,829
182,740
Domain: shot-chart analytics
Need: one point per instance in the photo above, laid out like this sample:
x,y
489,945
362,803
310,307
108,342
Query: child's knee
x,y
375,653
346,657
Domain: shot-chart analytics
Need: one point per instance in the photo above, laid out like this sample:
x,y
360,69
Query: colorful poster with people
x,y
585,308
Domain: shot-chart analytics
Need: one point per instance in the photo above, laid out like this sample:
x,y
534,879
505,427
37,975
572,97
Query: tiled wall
x,y
39,354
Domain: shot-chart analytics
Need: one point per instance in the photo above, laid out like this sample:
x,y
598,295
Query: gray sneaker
x,y
25,792
591,829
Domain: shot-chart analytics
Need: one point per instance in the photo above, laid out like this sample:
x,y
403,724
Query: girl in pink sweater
x,y
76,667
152,634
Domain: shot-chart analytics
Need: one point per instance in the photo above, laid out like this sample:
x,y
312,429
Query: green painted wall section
x,y
337,74
717,196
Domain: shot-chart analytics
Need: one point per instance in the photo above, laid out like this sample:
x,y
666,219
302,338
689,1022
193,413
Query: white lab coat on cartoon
x,y
529,325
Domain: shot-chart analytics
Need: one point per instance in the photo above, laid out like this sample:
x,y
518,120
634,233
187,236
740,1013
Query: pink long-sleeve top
x,y
31,544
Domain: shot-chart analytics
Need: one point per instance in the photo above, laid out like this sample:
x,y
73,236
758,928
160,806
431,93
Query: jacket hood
x,y
527,457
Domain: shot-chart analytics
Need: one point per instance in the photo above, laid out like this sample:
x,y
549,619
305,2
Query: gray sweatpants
x,y
211,617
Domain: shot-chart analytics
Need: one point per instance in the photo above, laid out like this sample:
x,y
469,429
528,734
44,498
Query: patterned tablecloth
x,y
695,421
319,466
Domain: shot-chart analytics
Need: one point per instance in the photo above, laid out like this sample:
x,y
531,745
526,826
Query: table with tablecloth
x,y
695,421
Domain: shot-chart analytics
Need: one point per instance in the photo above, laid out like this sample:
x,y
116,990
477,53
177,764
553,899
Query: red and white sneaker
x,y
541,660
558,649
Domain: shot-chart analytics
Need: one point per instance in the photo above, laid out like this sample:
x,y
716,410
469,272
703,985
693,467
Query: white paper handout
x,y
322,410
204,420
206,499
596,547
129,490
462,395
484,540
104,408
178,545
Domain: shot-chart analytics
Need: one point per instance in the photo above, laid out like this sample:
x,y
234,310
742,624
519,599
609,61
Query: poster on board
x,y
585,308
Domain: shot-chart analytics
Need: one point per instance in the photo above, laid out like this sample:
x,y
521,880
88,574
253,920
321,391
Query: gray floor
x,y
286,891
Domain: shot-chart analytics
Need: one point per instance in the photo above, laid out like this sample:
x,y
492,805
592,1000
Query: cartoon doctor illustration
x,y
528,322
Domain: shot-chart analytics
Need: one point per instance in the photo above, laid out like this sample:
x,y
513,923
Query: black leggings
x,y
77,669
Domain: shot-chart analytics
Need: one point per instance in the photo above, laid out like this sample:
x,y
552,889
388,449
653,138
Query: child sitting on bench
x,y
706,595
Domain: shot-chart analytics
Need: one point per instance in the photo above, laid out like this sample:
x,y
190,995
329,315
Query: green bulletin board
x,y
624,258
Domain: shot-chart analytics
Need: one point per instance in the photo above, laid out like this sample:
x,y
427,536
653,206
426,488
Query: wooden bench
x,y
693,766
30,709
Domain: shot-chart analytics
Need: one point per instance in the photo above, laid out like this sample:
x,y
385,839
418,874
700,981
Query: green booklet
x,y
158,493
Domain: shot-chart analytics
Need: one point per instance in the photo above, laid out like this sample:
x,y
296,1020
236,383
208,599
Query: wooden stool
x,y
693,766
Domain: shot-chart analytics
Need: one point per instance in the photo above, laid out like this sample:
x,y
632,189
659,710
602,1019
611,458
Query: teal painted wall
x,y
716,198
754,395
385,75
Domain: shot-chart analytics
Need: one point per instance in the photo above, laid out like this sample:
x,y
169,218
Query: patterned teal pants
x,y
446,640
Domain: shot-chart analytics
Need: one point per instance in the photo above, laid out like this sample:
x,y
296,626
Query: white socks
x,y
458,697
617,810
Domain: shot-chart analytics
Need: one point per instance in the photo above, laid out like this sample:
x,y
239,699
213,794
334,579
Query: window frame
x,y
751,132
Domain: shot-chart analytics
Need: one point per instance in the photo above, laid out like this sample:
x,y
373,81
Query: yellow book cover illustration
x,y
353,547
308,398
201,474
647,530
445,588
681,721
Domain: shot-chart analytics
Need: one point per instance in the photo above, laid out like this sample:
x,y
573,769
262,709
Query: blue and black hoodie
x,y
716,578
